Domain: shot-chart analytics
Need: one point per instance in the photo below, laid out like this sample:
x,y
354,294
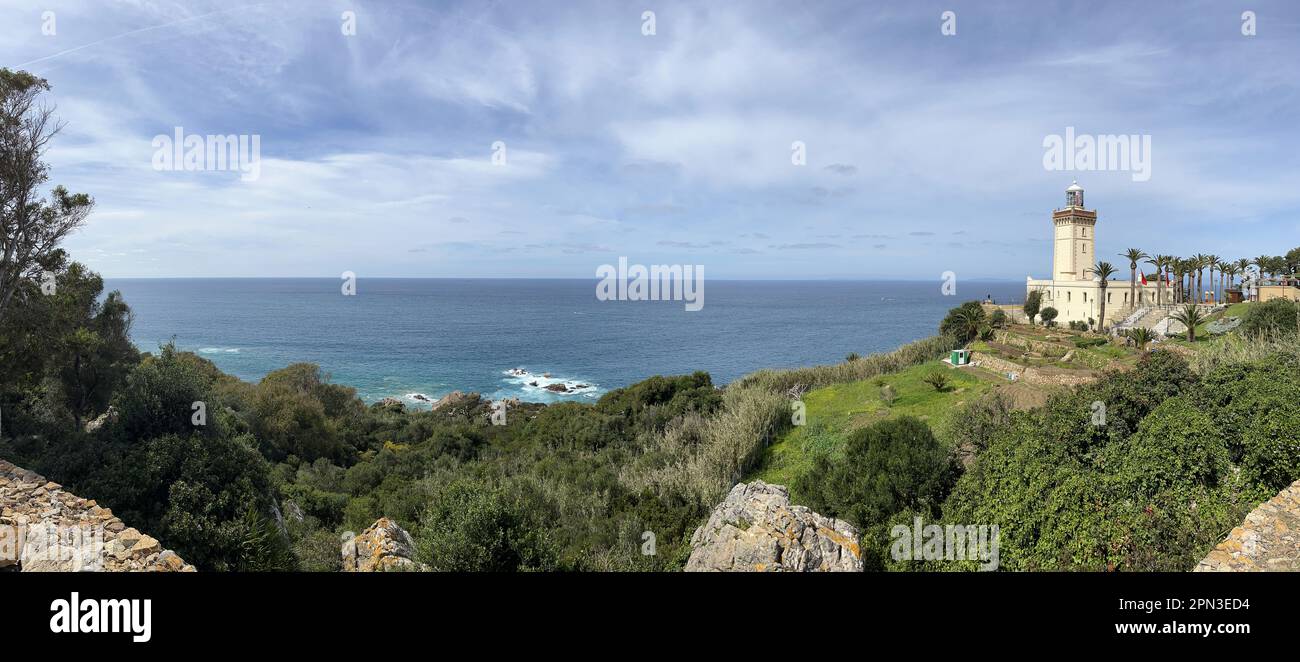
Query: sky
x,y
923,152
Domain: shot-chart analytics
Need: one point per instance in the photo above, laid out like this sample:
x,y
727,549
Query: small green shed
x,y
960,357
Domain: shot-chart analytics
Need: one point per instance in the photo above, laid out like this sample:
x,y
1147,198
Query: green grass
x,y
833,412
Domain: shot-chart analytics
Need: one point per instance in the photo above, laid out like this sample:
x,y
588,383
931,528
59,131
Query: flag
x,y
1144,279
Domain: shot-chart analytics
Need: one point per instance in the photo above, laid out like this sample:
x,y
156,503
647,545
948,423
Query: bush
x,y
1048,315
998,319
473,528
892,466
1090,342
936,379
1271,318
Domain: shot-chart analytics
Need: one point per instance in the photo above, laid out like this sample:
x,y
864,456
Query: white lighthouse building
x,y
1074,289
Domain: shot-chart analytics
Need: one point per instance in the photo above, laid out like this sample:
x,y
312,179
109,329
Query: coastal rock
x,y
391,404
455,397
755,529
46,529
383,547
556,388
1267,541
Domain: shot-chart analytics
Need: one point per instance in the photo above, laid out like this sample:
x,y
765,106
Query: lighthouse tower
x,y
1075,238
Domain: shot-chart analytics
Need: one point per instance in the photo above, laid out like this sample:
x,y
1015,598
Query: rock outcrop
x,y
757,530
383,547
45,529
453,398
1267,541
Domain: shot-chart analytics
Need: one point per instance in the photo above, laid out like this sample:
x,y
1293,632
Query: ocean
x,y
423,338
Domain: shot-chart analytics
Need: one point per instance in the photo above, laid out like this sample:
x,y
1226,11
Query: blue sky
x,y
924,151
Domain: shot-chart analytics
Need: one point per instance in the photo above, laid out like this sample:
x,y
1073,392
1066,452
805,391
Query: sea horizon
x,y
515,337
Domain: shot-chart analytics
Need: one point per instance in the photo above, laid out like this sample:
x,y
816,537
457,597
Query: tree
x,y
1159,262
1048,314
1104,271
1032,302
1293,260
963,322
1141,336
1212,261
1199,262
1190,316
1134,256
1262,263
31,226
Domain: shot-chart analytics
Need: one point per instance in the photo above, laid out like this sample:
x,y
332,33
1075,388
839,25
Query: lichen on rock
x,y
756,529
384,546
45,529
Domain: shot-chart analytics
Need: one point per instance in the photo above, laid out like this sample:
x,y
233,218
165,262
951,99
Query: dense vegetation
x,y
267,476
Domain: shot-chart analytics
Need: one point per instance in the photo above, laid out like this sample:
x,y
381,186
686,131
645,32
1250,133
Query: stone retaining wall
x,y
45,529
1029,374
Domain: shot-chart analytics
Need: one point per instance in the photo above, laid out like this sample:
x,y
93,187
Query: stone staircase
x,y
1146,317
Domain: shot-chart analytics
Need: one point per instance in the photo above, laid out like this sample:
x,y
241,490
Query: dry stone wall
x,y
1267,541
45,529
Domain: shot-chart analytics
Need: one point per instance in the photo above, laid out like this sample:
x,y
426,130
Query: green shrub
x,y
1271,318
936,379
1085,342
1048,316
998,319
470,527
892,466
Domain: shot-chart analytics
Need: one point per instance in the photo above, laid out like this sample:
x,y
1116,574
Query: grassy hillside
x,y
833,412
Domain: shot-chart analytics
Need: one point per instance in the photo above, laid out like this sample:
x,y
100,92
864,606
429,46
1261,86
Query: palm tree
x,y
1179,266
1261,263
1199,262
1190,316
1103,270
1165,269
1141,335
1212,262
1158,261
1134,256
1228,269
967,323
